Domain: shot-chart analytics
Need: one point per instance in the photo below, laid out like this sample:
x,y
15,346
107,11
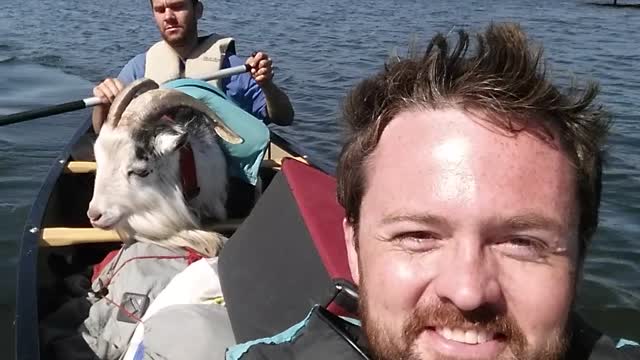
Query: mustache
x,y
441,315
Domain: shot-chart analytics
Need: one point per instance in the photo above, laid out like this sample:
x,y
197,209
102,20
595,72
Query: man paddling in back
x,y
471,186
182,53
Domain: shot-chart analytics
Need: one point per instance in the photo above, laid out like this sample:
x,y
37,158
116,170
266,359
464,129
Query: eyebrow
x,y
168,3
425,219
528,221
532,221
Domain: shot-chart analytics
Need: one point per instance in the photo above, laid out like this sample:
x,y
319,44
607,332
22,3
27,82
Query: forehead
x,y
167,3
114,144
452,160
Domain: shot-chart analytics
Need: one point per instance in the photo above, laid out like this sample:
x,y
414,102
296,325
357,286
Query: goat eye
x,y
139,172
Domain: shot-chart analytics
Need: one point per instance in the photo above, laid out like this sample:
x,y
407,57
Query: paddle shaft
x,y
93,101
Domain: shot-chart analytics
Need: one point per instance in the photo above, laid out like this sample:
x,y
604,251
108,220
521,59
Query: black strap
x,y
345,295
349,332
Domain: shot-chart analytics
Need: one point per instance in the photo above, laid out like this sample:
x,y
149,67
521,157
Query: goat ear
x,y
170,140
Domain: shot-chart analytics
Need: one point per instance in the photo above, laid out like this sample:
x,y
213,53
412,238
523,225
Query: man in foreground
x,y
471,186
181,53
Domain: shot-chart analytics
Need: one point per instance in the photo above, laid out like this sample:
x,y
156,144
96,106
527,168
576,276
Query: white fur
x,y
153,208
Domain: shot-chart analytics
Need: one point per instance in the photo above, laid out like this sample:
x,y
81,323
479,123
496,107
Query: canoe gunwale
x,y
26,343
297,150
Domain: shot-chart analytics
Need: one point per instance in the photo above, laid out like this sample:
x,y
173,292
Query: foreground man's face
x,y
467,241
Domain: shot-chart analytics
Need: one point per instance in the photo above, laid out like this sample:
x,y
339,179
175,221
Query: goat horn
x,y
123,98
152,104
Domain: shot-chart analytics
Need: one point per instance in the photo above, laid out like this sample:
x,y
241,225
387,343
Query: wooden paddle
x,y
93,101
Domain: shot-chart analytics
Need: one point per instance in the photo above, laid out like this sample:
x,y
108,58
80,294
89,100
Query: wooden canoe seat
x,y
80,167
66,236
87,167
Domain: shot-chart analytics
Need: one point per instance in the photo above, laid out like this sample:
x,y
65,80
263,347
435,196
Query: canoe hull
x,y
27,280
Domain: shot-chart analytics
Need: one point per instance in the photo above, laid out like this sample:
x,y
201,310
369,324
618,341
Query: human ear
x,y
350,238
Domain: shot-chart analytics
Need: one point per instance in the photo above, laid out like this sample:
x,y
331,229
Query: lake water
x,y
53,51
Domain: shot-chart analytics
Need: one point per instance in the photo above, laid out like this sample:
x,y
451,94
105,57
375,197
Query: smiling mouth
x,y
470,337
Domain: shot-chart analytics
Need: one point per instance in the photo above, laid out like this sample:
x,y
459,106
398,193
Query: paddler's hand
x,y
261,69
106,91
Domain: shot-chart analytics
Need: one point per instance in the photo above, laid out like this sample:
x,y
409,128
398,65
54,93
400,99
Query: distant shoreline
x,y
632,6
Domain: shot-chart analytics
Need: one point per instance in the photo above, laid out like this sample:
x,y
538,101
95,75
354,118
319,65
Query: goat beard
x,y
384,347
185,234
204,242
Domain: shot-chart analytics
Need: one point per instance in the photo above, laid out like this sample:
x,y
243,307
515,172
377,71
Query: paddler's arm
x,y
107,91
279,109
98,116
109,88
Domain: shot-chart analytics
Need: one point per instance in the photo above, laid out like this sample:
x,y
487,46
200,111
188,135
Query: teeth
x,y
458,335
471,337
446,333
482,337
468,337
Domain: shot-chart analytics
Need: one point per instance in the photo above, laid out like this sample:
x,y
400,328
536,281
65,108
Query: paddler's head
x,y
471,186
177,21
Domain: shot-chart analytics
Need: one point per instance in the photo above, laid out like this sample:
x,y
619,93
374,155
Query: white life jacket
x,y
198,284
163,63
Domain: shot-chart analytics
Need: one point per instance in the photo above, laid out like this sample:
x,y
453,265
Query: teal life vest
x,y
243,159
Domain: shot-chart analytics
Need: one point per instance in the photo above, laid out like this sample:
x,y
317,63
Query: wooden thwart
x,y
86,167
80,167
272,159
66,236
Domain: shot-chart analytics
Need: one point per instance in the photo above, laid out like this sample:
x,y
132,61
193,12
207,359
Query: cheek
x,y
539,296
158,18
184,18
392,280
126,197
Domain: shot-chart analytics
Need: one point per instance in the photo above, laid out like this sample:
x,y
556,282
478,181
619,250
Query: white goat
x,y
138,190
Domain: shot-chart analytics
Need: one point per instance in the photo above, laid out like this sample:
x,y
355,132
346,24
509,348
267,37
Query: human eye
x,y
416,241
525,248
177,5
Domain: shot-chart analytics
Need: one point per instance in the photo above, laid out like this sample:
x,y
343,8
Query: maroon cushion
x,y
315,194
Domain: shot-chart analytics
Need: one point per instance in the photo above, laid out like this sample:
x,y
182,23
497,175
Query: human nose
x,y
169,14
468,279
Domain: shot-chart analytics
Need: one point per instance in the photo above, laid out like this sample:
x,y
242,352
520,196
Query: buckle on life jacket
x,y
132,307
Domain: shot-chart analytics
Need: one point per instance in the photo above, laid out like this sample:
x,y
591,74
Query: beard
x,y
182,38
383,345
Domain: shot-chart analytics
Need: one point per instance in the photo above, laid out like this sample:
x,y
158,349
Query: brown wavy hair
x,y
505,75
